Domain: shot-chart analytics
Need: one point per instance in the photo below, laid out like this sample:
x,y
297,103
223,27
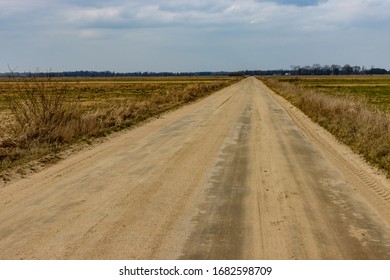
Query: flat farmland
x,y
43,116
371,90
95,91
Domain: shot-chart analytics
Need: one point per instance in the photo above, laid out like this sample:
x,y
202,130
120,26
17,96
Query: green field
x,y
372,90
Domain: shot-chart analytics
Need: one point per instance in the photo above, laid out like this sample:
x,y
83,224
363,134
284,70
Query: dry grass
x,y
362,127
42,116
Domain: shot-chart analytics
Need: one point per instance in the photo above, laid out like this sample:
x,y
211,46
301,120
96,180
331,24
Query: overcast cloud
x,y
196,35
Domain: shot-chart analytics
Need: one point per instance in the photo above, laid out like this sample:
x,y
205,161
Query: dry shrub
x,y
42,112
365,130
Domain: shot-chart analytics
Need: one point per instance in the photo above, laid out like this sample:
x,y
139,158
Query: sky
x,y
191,35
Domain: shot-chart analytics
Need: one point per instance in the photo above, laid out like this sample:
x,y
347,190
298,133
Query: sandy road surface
x,y
238,175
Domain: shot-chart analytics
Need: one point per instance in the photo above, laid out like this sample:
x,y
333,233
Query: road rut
x,y
240,174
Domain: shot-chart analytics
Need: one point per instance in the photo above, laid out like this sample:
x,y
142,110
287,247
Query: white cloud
x,y
86,15
153,13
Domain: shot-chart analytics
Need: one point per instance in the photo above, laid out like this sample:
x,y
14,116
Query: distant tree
x,y
347,69
295,69
335,69
377,71
326,69
356,70
316,69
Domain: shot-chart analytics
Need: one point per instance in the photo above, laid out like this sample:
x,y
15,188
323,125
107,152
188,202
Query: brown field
x,y
356,109
42,116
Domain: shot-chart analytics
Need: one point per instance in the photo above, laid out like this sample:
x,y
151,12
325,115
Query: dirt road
x,y
238,175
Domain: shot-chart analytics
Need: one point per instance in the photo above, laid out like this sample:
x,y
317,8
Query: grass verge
x,y
350,117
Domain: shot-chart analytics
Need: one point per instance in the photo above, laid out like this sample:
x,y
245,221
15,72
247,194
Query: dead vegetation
x,y
362,127
41,117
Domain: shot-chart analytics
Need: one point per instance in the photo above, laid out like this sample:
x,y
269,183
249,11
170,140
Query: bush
x,y
44,112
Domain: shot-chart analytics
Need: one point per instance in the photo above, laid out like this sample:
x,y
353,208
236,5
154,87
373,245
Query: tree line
x,y
315,69
71,74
